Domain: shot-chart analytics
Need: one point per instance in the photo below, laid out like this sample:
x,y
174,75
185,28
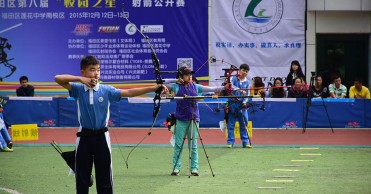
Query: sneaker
x,y
6,149
229,145
175,172
10,145
246,146
195,173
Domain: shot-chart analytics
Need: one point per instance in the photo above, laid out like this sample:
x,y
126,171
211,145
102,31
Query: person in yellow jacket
x,y
358,90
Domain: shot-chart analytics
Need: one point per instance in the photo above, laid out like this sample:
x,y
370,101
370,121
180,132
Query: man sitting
x,y
358,90
25,89
337,90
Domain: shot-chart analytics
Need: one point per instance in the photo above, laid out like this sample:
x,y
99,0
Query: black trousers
x,y
94,149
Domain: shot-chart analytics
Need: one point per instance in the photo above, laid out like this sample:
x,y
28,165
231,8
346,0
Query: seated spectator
x,y
318,90
298,90
25,89
358,90
6,143
304,83
337,90
257,89
277,91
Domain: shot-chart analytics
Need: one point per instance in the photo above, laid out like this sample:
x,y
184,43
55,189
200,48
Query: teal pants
x,y
181,128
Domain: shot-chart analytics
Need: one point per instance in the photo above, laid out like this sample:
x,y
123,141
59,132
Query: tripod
x,y
191,126
308,104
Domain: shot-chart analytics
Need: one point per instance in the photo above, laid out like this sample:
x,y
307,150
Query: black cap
x,y
186,70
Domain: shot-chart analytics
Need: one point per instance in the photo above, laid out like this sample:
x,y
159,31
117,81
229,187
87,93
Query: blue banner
x,y
62,112
43,38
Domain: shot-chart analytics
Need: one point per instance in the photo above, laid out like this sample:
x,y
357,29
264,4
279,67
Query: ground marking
x,y
311,154
271,187
309,148
10,190
279,181
286,170
302,160
292,165
284,176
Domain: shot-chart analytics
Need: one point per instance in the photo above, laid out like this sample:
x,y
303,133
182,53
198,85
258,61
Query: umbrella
x,y
69,157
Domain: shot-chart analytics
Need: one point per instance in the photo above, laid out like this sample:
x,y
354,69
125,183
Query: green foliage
x,y
38,170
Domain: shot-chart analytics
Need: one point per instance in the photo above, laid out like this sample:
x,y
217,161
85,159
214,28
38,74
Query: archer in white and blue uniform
x,y
237,107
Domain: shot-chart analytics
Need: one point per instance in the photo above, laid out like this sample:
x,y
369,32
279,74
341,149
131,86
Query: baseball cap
x,y
186,70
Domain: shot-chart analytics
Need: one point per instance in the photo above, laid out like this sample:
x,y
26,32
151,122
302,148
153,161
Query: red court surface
x,y
340,137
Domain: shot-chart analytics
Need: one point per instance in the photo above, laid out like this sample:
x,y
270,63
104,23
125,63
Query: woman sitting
x,y
298,90
257,89
277,91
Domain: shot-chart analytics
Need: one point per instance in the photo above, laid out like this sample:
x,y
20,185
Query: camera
x,y
313,73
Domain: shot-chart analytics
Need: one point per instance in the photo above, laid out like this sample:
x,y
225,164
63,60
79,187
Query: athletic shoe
x,y
195,173
6,149
229,145
246,146
175,172
10,145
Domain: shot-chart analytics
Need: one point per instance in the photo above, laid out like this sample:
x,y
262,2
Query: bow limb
x,y
157,97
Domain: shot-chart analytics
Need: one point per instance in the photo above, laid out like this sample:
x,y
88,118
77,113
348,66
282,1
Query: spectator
x,y
358,90
329,75
6,143
277,91
25,89
318,90
257,89
298,90
295,71
337,90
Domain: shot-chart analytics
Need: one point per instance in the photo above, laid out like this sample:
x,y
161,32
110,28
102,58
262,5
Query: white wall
x,y
339,5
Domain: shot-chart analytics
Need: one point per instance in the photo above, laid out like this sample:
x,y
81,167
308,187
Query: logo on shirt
x,y
100,99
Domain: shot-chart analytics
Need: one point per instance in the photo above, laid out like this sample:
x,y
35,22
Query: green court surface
x,y
39,170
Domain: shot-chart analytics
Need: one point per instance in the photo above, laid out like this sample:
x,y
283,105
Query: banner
x,y
265,34
41,38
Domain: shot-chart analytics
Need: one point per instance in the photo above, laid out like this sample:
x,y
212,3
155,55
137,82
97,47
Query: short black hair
x,y
23,78
88,60
357,79
245,66
335,77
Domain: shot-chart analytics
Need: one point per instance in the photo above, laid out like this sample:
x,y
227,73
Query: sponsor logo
x,y
108,29
352,124
48,123
130,29
82,29
257,16
111,123
152,28
290,124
